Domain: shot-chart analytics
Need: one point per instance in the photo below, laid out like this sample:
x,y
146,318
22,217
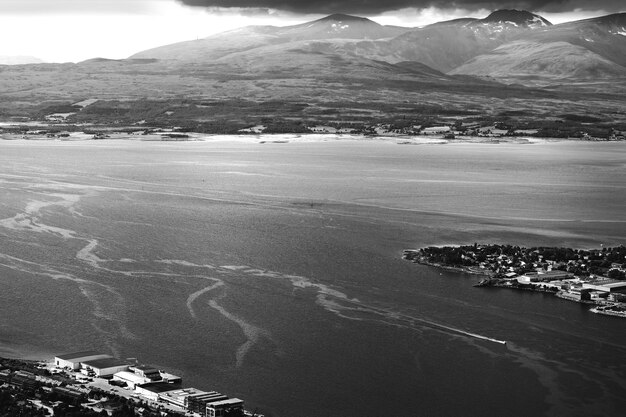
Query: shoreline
x,y
288,138
453,268
25,352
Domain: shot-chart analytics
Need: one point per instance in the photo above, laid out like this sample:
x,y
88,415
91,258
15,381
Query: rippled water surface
x,y
272,271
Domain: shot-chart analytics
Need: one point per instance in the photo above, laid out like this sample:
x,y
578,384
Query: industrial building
x,y
172,379
73,360
152,390
148,372
178,397
105,367
140,375
197,403
149,382
606,285
231,406
130,378
544,276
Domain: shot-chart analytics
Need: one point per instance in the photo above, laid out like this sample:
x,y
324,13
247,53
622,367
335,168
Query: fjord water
x,y
272,271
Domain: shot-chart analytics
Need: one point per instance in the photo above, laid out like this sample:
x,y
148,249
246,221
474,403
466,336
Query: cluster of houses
x,y
560,276
25,380
151,383
595,276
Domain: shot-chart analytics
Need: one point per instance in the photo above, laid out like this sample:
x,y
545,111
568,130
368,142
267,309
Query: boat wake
x,y
340,304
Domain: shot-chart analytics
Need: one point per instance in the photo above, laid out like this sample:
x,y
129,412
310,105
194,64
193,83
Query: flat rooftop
x,y
209,397
548,274
146,368
105,363
78,355
167,375
183,392
130,376
609,283
230,401
159,387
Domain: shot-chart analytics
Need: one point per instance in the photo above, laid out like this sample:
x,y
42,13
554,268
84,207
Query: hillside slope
x,y
549,59
586,49
336,26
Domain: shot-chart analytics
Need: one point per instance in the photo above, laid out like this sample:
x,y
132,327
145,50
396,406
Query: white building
x,y
543,276
152,390
178,397
606,285
73,360
130,378
172,379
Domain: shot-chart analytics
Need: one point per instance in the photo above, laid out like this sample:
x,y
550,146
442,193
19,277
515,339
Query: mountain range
x,y
345,71
505,44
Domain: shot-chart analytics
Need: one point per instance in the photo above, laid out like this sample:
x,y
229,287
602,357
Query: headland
x,y
596,277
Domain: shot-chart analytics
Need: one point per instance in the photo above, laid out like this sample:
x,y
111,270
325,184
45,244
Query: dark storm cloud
x,y
369,7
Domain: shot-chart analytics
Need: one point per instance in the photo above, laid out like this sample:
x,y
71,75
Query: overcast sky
x,y
75,30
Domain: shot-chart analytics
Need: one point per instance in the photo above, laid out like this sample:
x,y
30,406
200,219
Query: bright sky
x,y
75,30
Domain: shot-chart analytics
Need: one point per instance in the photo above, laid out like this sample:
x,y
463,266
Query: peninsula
x,y
596,276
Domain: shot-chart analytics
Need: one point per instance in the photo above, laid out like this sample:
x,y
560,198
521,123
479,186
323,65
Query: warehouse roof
x,y
105,363
158,387
129,376
230,401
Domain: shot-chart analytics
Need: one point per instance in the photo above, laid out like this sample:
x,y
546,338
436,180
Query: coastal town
x,y
91,383
596,277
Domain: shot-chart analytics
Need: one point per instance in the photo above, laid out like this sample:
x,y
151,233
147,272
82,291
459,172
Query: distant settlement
x,y
596,277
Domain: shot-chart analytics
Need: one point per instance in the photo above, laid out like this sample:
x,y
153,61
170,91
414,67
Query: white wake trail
x,y
340,304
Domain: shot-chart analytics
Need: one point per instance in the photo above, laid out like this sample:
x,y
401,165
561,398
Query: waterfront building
x,y
172,379
606,285
105,367
148,372
152,390
576,294
232,407
197,403
544,276
617,297
73,360
179,397
130,378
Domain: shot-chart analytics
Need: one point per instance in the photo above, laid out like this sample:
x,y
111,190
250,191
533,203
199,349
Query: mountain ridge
x,y
460,46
